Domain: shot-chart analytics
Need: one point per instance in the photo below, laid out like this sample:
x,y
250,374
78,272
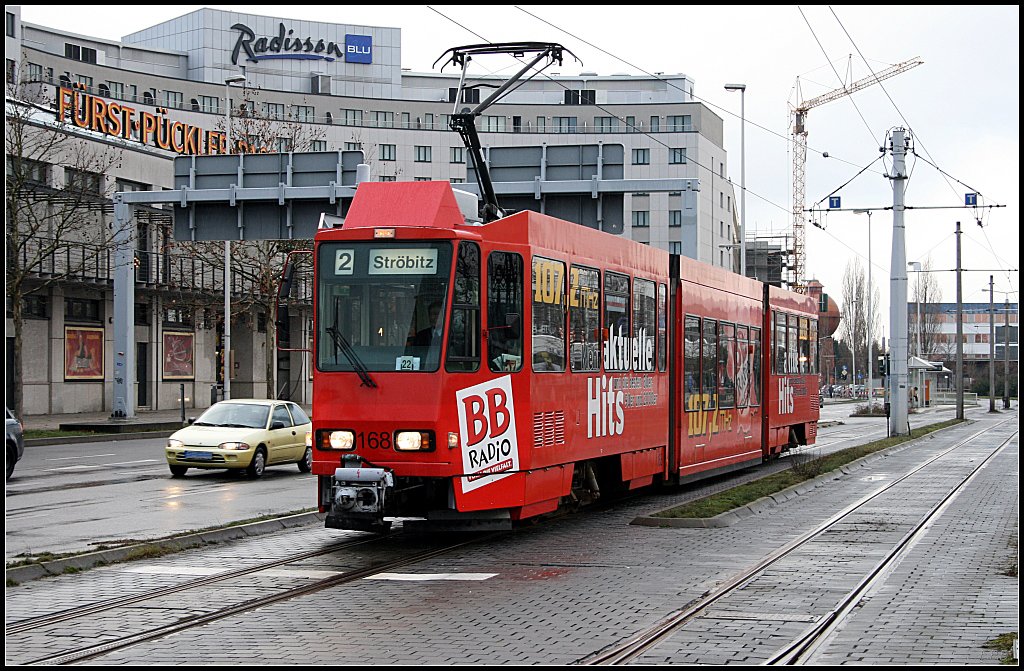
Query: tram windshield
x,y
381,305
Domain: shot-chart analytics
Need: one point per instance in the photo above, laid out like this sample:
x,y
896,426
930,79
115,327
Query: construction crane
x,y
799,126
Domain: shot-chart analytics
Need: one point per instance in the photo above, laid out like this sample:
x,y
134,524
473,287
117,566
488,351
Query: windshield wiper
x,y
201,424
342,343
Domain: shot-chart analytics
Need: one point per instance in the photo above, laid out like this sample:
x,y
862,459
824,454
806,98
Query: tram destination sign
x,y
403,262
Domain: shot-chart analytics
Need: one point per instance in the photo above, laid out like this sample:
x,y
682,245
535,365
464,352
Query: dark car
x,y
15,441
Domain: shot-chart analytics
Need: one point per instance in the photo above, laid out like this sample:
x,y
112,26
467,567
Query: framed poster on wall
x,y
178,356
83,353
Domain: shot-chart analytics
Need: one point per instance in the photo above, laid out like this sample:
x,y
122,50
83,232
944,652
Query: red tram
x,y
473,375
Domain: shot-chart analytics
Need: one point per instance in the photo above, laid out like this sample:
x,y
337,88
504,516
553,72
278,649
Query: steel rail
x,y
648,638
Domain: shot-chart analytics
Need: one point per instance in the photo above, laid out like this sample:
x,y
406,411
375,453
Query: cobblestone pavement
x,y
568,588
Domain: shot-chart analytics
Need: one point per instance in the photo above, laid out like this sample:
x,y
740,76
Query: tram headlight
x,y
412,441
340,440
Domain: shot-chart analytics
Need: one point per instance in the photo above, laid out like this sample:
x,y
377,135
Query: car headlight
x,y
339,440
174,444
233,446
408,441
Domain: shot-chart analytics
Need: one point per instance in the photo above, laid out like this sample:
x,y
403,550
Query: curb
x,y
765,503
56,567
95,438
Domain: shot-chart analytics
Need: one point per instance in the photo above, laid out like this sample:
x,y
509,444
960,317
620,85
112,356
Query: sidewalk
x,y
120,428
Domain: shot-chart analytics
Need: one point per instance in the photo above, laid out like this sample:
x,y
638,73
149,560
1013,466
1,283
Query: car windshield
x,y
238,415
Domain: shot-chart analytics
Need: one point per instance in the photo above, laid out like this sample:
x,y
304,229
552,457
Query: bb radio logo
x,y
487,428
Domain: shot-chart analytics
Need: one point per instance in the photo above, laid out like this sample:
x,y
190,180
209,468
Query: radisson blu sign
x,y
285,45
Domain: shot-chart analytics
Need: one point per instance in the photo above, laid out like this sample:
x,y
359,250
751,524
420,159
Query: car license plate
x,y
204,456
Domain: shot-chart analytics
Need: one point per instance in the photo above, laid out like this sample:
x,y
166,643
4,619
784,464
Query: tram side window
x,y
709,364
504,312
741,364
617,353
805,347
755,367
644,325
584,319
813,362
793,366
662,329
548,315
464,334
691,363
726,359
780,343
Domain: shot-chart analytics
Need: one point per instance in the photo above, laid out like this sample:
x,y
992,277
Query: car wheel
x,y
306,463
12,458
178,471
258,464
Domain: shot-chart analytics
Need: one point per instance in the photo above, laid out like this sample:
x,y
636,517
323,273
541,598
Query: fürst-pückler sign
x,y
285,45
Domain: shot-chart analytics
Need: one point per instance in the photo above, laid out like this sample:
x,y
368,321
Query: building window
x,y
457,180
116,90
541,128
421,179
631,124
272,110
428,121
492,124
79,53
177,317
721,199
142,317
406,120
82,181
606,124
641,219
655,124
387,178
641,156
388,152
209,104
33,72
458,155
10,25
328,118
81,310
353,146
173,99
85,81
11,70
564,124
675,218
284,145
35,306
675,248
679,123
422,154
318,145
304,113
384,119
470,96
32,172
677,155
728,203
580,97
351,117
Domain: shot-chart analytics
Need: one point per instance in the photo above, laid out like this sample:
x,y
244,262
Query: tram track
x,y
808,641
89,652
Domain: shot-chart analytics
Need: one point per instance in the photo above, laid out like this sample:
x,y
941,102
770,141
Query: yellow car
x,y
248,434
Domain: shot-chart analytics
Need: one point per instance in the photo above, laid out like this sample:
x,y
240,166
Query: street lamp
x,y
742,88
870,313
235,79
853,344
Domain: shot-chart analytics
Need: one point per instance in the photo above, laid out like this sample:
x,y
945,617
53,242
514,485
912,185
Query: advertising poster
x,y
83,353
178,356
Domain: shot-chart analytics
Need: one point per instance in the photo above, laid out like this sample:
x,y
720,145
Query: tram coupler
x,y
359,496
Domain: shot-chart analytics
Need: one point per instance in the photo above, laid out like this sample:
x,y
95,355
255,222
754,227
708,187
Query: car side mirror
x,y
277,425
191,420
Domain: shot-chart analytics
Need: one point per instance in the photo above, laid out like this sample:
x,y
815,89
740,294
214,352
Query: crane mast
x,y
799,126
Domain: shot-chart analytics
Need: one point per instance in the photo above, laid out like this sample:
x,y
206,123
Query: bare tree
x,y
857,324
58,201
257,264
926,290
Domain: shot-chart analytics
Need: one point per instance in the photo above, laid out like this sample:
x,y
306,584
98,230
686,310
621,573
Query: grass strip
x,y
804,467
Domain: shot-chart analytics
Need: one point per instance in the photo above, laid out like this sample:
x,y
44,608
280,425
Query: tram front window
x,y
381,307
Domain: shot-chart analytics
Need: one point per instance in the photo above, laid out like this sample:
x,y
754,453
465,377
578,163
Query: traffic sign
x,y
970,199
833,202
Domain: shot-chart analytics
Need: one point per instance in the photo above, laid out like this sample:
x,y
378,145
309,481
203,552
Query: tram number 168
x,y
373,440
